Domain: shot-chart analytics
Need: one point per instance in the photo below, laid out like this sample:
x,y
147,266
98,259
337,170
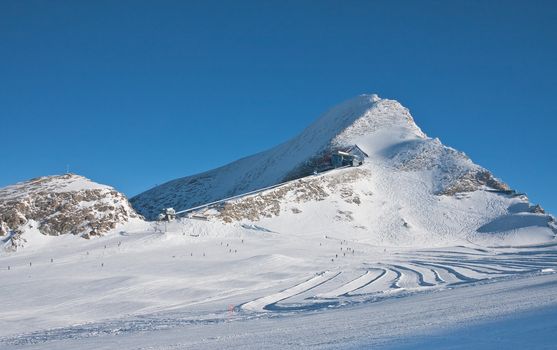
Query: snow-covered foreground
x,y
243,287
513,314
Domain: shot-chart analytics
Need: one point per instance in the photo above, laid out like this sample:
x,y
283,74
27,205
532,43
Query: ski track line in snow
x,y
263,303
378,285
428,272
462,278
353,285
411,278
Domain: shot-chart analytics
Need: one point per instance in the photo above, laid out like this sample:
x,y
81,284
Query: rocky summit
x,y
59,205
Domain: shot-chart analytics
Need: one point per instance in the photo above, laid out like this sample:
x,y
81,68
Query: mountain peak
x,y
383,129
365,114
363,120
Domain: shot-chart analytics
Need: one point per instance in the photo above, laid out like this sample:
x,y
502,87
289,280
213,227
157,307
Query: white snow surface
x,y
213,285
367,257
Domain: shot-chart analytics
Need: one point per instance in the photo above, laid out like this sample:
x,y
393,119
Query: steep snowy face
x,y
58,205
358,117
382,128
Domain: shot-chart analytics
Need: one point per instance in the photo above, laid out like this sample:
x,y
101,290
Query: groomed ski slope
x,y
239,281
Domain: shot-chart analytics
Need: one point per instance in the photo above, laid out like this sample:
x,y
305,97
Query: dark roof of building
x,y
358,148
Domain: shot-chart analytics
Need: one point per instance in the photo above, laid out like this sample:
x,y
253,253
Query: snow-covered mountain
x,y
58,205
417,224
411,190
382,128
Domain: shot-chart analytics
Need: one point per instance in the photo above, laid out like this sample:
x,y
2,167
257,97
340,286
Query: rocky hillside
x,y
382,128
59,205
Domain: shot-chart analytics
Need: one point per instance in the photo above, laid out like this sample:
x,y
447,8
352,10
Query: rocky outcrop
x,y
58,205
472,181
271,202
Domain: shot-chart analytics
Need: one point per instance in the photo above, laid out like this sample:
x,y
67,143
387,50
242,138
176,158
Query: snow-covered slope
x,y
411,190
369,204
57,205
361,116
382,128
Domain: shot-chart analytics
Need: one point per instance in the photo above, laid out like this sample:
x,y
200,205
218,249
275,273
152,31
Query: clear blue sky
x,y
135,93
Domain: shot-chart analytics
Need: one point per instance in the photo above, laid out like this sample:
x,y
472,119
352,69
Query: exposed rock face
x,y
58,205
270,203
473,180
